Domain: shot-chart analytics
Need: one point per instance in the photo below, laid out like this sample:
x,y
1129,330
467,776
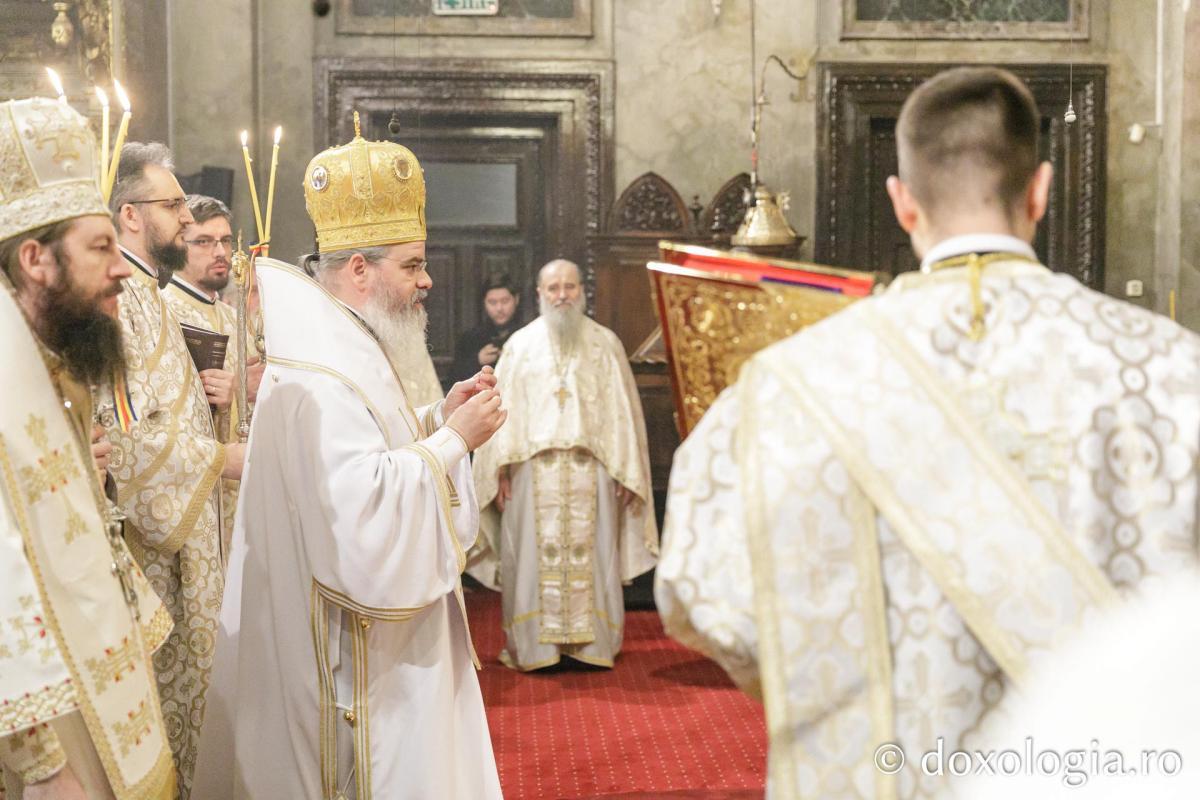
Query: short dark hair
x,y
968,126
131,173
499,280
51,236
204,208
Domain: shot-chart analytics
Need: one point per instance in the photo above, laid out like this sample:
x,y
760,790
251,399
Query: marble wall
x,y
683,89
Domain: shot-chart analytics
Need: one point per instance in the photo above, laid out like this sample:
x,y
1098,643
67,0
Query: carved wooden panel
x,y
722,216
856,124
572,99
77,42
650,205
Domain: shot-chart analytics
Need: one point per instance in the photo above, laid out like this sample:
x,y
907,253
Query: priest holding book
x,y
193,296
167,459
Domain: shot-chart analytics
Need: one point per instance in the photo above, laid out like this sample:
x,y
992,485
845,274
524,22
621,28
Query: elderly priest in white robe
x,y
79,707
896,514
565,486
344,663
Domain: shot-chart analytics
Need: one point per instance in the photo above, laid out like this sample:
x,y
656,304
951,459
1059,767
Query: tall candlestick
x,y
271,182
253,191
115,160
58,85
102,96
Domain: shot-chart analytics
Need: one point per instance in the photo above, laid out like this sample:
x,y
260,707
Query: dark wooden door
x,y
487,200
861,102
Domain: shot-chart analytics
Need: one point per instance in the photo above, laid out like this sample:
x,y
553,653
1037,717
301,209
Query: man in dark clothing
x,y
480,346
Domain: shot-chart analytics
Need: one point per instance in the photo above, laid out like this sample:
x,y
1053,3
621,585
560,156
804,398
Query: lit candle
x,y
102,96
115,160
58,86
253,191
271,182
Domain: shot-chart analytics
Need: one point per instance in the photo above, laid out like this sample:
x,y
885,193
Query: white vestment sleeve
x,y
374,521
703,585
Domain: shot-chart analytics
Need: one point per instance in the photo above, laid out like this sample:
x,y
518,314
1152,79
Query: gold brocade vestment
x,y
75,671
887,522
563,545
190,306
167,468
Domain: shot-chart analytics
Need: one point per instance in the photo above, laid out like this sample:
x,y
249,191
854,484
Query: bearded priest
x,y
344,665
167,461
568,513
193,296
79,709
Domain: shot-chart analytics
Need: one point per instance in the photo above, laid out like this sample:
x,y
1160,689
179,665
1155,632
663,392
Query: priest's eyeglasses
x,y
207,242
171,204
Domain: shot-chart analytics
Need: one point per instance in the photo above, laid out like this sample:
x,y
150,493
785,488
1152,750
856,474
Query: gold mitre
x,y
48,161
365,194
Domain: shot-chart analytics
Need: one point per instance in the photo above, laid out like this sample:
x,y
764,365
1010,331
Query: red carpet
x,y
664,722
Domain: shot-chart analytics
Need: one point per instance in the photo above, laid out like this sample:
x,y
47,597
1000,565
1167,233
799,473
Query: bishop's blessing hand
x,y
478,419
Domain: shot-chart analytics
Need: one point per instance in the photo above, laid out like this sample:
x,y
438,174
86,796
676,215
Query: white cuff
x,y
449,446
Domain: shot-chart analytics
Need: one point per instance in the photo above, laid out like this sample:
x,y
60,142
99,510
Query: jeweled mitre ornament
x,y
365,194
48,162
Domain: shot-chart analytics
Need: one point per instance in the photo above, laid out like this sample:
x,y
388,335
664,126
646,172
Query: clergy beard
x,y
166,254
84,337
565,322
400,326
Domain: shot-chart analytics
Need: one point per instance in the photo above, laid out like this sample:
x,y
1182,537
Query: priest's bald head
x,y
967,146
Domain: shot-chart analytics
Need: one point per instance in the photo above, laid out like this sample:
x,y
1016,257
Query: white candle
x,y
115,160
102,96
253,191
58,85
271,183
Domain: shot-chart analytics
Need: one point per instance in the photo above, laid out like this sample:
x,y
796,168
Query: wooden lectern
x,y
718,308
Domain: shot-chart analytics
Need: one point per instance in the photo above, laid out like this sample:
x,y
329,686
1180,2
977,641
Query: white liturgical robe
x,y
887,522
344,663
563,545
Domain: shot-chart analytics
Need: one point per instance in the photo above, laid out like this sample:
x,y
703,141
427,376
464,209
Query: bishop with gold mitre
x,y
344,662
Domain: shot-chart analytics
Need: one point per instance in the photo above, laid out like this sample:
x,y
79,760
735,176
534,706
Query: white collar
x,y
976,243
195,291
137,262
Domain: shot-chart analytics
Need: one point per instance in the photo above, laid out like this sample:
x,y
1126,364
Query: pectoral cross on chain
x,y
562,394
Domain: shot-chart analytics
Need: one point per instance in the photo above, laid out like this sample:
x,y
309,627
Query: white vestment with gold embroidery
x,y
563,545
167,468
886,524
71,650
344,663
193,307
422,385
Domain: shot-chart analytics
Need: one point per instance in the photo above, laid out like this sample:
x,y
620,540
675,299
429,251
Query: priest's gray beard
x,y
400,326
565,322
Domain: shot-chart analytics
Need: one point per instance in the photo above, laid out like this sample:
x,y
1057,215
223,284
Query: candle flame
x,y
245,137
56,81
278,133
102,96
121,96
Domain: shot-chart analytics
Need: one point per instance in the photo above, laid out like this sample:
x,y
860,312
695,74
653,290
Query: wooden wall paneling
x,y
856,127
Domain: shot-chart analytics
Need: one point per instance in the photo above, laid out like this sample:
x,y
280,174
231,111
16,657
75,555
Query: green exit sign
x,y
480,8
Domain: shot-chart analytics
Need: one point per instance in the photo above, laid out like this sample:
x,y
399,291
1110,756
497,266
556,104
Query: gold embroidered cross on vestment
x,y
61,131
54,469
